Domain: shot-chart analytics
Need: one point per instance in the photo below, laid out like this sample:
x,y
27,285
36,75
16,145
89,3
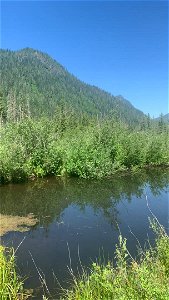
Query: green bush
x,y
38,148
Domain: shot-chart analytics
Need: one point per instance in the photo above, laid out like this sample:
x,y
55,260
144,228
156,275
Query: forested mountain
x,y
53,123
33,84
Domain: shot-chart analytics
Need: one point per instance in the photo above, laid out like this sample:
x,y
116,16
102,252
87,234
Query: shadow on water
x,y
81,214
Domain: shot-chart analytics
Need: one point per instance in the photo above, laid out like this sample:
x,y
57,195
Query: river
x,y
78,222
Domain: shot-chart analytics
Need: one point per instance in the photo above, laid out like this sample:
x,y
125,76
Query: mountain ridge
x,y
35,83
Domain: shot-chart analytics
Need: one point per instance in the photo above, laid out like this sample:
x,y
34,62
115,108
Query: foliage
x,y
11,287
146,278
95,149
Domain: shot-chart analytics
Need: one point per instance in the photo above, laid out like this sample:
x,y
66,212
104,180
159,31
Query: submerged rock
x,y
16,223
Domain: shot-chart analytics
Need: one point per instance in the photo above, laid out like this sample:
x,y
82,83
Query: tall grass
x,y
11,286
146,278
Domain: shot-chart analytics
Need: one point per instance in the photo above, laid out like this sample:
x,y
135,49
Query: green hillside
x,y
33,84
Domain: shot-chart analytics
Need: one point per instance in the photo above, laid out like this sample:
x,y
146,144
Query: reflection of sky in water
x,y
81,217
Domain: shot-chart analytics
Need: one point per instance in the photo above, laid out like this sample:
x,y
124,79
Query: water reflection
x,y
84,215
48,198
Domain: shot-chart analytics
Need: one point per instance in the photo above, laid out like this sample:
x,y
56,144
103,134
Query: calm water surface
x,y
82,218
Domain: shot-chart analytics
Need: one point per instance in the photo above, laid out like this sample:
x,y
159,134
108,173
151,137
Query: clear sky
x,y
120,46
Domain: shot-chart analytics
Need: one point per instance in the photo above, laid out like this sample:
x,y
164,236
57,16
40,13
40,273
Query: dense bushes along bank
x,y
87,149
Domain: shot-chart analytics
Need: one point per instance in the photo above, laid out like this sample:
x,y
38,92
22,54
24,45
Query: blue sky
x,y
120,46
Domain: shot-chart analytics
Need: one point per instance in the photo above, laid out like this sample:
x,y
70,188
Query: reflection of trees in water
x,y
47,198
157,185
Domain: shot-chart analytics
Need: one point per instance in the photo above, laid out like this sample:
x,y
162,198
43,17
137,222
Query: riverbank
x,y
145,277
97,149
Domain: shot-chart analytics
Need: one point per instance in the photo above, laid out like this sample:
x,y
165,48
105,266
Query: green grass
x,y
144,279
11,286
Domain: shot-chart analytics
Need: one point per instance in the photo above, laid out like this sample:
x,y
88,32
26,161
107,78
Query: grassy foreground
x,y
147,278
11,286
